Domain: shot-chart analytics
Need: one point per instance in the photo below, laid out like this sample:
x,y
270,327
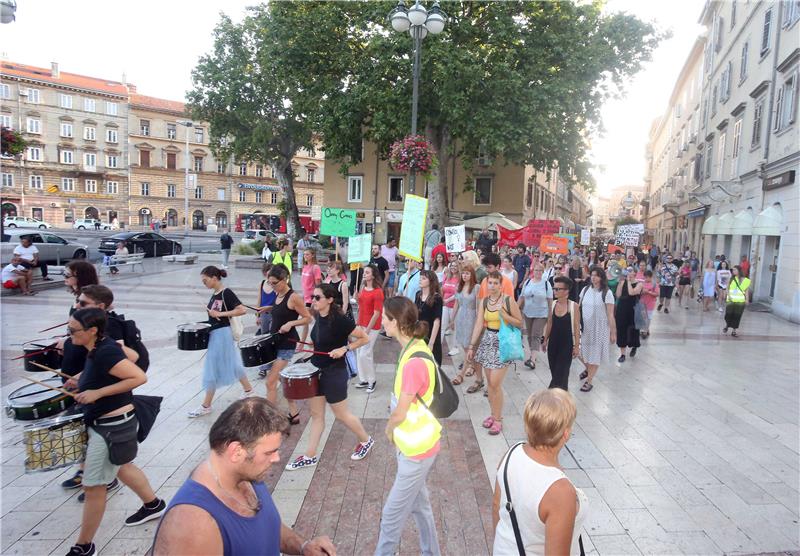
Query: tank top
x,y
528,481
281,314
338,299
267,299
491,318
259,535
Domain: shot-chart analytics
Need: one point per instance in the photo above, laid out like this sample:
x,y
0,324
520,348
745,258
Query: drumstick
x,y
51,347
40,383
46,368
56,326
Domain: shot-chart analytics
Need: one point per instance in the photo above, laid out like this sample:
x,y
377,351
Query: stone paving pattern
x,y
690,448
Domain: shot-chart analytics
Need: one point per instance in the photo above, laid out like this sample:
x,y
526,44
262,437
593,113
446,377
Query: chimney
x,y
54,70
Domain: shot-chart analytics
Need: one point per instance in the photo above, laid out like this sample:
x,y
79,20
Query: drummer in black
x,y
288,313
331,335
106,391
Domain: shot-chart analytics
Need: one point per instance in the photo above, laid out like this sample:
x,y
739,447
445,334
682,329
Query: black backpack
x,y
132,338
445,398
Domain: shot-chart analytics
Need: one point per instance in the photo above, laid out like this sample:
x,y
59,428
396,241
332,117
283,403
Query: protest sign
x,y
570,238
554,244
415,212
338,222
529,235
455,238
628,234
359,248
586,236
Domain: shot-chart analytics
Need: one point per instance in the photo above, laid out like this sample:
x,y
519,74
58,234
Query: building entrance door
x,y
393,231
773,267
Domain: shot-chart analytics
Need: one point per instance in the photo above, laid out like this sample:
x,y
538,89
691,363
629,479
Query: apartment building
x,y
76,162
224,193
740,195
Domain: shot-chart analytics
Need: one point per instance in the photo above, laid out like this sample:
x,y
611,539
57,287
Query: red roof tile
x,y
157,103
67,79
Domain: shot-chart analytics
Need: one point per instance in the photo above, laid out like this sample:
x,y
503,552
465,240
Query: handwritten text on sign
x,y
359,248
628,234
455,238
415,212
338,222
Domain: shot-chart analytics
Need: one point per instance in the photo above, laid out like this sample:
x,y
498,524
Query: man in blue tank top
x,y
224,506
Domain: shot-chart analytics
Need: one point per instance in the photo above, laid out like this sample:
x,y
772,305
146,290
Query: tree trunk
x,y
437,188
285,176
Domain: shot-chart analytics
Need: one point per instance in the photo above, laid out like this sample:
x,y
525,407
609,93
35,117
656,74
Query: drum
x,y
54,443
258,350
300,381
193,336
34,401
44,354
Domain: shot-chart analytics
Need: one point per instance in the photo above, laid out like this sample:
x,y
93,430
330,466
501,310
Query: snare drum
x,y
44,354
258,350
300,381
34,401
54,443
193,336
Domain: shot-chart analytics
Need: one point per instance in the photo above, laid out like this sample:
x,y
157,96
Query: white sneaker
x,y
248,394
199,412
301,462
453,352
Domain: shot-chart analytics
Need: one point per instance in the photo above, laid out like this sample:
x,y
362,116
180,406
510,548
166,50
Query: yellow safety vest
x,y
738,294
420,431
286,260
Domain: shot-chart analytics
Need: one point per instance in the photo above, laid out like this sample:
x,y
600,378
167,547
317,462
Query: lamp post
x,y
188,126
418,22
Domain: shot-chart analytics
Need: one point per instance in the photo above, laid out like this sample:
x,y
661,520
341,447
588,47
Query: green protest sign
x,y
359,248
338,222
415,211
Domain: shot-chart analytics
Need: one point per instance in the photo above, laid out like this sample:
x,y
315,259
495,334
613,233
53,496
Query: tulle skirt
x,y
223,362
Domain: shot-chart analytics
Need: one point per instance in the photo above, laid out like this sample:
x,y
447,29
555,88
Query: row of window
x,y
482,193
67,156
67,184
32,95
172,131
198,194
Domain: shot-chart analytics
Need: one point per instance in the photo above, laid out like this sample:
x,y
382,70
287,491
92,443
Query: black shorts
x,y
333,382
665,292
684,282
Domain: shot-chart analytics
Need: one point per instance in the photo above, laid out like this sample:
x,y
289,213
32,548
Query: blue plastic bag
x,y
510,339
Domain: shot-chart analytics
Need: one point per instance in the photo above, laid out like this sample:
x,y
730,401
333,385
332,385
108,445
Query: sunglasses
x,y
273,282
559,267
72,331
83,302
317,297
67,276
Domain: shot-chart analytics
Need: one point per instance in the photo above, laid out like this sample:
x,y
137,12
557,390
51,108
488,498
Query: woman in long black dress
x,y
429,304
628,291
562,333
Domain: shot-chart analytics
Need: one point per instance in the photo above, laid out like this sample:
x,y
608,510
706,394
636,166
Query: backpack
x,y
445,398
132,338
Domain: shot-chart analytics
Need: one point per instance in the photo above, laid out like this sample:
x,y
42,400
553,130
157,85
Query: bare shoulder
x,y
174,537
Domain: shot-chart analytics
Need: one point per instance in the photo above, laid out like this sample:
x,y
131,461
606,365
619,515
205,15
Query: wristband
x,y
303,546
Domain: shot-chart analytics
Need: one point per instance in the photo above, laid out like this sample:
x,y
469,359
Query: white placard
x,y
586,236
455,239
628,234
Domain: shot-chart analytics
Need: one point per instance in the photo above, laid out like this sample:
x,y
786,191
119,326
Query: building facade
x,y
741,195
76,162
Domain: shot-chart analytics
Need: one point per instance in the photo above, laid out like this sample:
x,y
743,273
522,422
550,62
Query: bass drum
x,y
258,350
193,336
34,401
54,443
44,354
300,381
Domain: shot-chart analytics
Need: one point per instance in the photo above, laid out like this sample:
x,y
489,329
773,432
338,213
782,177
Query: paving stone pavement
x,y
689,448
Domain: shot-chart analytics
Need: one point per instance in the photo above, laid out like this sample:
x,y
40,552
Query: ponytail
x,y
403,311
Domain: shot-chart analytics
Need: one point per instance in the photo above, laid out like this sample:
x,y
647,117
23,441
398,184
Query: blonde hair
x,y
471,258
548,413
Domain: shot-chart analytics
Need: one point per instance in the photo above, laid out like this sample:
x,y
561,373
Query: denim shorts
x,y
286,354
390,279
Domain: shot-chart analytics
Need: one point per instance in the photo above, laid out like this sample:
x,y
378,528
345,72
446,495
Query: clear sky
x,y
156,43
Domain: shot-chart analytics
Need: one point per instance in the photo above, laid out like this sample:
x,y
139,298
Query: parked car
x,y
52,248
90,224
24,222
149,243
251,236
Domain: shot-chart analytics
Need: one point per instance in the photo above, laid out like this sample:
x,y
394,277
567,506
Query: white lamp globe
x,y
418,30
435,23
417,14
399,19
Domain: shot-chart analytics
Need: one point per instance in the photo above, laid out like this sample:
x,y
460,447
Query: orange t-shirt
x,y
507,286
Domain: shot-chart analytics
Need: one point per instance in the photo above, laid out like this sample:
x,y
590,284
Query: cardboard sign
x,y
586,236
412,233
529,235
629,234
554,244
338,222
359,248
455,239
570,238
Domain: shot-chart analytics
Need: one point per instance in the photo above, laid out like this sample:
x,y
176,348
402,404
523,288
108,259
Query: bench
x,y
187,258
123,260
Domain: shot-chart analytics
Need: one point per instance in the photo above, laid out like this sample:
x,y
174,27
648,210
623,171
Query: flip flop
x,y
470,371
476,386
587,386
457,380
584,375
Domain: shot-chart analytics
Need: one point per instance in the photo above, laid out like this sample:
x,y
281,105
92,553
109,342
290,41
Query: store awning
x,y
490,220
743,223
696,213
725,224
769,222
710,225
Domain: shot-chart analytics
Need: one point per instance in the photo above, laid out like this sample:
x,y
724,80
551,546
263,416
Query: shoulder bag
x,y
237,327
510,339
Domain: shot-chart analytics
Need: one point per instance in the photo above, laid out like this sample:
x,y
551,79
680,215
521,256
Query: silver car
x,y
52,248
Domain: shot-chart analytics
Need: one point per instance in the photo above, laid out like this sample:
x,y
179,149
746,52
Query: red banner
x,y
529,235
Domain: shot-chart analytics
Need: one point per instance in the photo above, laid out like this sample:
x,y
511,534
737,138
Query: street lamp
x,y
418,21
7,10
188,126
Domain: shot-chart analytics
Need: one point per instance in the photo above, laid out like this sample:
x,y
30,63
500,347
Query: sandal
x,y
470,371
530,364
587,386
477,385
725,330
734,334
496,427
458,379
584,375
488,422
294,419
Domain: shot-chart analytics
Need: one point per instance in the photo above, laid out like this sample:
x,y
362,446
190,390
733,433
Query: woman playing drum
x,y
331,335
106,384
288,313
223,362
266,299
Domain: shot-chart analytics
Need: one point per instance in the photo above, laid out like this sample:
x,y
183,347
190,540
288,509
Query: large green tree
x,y
517,80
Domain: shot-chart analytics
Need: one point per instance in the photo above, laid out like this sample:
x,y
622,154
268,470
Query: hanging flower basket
x,y
413,152
13,143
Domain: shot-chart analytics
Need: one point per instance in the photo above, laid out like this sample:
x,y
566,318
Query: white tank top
x,y
529,481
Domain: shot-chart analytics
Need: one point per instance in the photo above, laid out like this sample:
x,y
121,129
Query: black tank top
x,y
338,299
281,314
